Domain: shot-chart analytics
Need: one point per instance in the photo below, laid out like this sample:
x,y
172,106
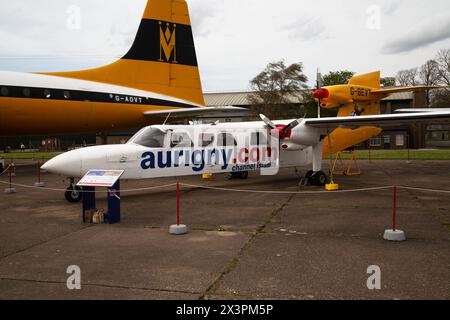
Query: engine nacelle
x,y
303,136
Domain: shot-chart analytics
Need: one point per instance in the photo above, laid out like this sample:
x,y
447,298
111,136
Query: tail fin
x,y
162,58
371,80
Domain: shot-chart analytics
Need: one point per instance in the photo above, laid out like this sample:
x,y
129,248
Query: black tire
x,y
319,179
309,174
238,175
243,175
73,196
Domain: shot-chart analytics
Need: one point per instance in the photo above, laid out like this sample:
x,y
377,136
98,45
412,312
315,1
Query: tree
x,y
429,76
407,77
276,86
443,64
388,82
337,77
441,97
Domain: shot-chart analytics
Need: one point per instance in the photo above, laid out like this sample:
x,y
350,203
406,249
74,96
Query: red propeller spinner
x,y
321,94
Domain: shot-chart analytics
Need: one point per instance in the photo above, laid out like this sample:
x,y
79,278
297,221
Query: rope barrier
x,y
6,170
284,192
64,190
231,189
423,189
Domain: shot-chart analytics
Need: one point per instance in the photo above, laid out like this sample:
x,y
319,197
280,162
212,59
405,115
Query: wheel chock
x,y
332,187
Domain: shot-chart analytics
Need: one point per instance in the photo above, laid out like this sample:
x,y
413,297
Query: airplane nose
x,y
321,94
68,164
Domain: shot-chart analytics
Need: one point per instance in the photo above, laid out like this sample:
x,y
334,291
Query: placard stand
x,y
101,178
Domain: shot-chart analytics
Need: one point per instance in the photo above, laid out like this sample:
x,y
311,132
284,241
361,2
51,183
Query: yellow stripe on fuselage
x,y
29,116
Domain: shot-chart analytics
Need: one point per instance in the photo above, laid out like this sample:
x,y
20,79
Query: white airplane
x,y
236,148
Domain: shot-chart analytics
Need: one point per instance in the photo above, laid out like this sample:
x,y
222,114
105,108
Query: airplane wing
x,y
419,110
220,112
407,89
379,120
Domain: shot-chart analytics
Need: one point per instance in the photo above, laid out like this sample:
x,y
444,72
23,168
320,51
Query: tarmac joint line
x,y
212,289
101,286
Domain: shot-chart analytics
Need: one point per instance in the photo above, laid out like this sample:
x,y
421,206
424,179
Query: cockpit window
x,y
150,138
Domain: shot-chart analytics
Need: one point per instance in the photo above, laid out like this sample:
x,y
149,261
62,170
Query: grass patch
x,y
401,155
28,155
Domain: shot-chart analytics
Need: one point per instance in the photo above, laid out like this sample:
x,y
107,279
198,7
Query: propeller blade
x,y
267,121
293,124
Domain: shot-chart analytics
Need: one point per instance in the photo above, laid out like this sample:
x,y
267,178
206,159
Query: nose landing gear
x,y
73,193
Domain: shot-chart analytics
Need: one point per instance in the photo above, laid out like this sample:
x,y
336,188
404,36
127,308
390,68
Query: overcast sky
x,y
235,39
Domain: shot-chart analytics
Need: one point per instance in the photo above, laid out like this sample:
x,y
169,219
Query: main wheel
x,y
243,175
319,179
238,175
309,174
73,195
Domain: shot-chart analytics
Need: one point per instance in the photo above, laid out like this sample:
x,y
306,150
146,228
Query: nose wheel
x,y
73,193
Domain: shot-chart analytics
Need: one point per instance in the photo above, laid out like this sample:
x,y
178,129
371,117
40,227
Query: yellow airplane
x,y
159,75
360,97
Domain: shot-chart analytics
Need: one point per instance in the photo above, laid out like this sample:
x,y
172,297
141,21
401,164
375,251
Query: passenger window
x,y
206,139
226,140
258,139
4,91
47,94
26,92
66,95
181,140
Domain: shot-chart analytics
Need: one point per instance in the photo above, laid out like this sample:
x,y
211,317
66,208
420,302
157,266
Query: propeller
x,y
319,94
282,130
268,122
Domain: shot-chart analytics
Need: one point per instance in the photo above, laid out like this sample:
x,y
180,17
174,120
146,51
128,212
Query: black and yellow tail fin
x,y
162,58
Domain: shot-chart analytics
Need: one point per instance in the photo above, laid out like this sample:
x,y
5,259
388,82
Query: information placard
x,y
100,178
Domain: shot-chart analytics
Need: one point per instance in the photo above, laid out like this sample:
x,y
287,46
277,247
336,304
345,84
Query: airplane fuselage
x,y
166,151
35,103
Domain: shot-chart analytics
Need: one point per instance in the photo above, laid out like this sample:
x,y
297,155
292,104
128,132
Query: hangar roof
x,y
241,98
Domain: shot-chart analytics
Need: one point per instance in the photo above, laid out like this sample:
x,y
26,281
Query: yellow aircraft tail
x,y
371,107
371,80
162,58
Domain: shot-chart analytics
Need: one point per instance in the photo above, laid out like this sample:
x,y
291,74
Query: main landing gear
x,y
73,193
243,175
318,178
